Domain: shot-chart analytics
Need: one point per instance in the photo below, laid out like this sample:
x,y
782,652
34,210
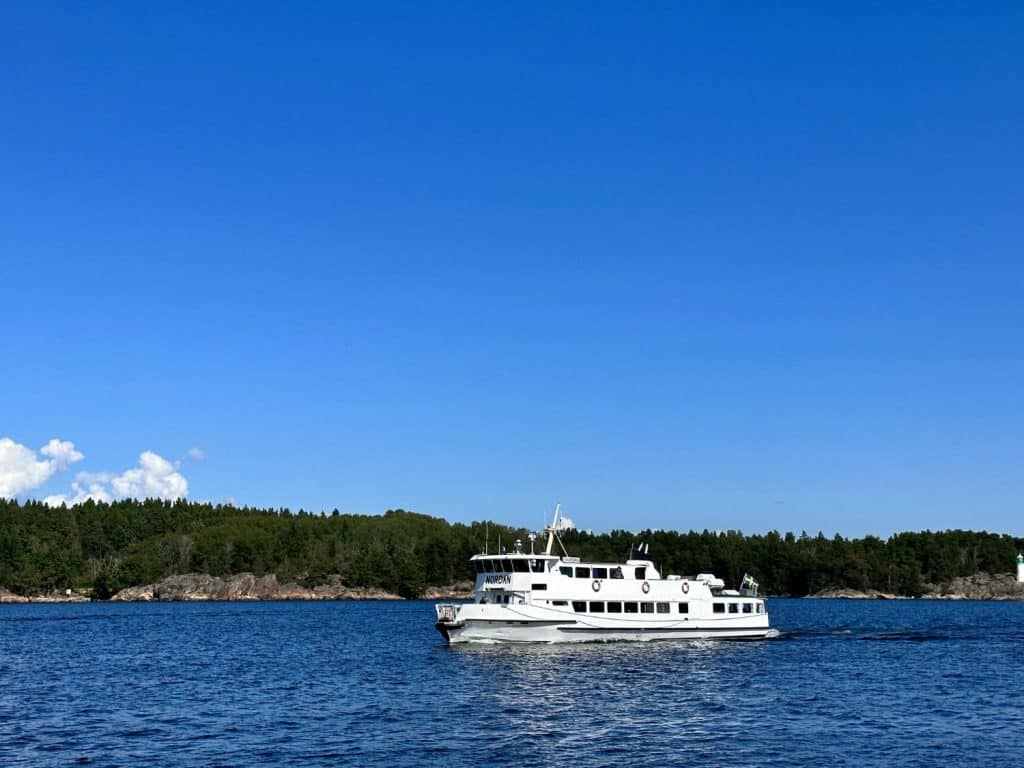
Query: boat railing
x,y
447,611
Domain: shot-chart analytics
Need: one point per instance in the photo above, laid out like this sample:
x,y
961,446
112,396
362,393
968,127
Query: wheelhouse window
x,y
537,566
662,607
614,607
478,566
646,607
579,606
600,573
760,608
565,570
684,607
748,608
597,607
631,607
582,573
488,566
520,566
734,607
506,565
641,573
718,608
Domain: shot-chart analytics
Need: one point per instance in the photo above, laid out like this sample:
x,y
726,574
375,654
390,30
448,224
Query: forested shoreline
x,y
103,548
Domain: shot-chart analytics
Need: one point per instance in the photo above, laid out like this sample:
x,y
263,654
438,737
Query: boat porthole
x,y
646,587
596,585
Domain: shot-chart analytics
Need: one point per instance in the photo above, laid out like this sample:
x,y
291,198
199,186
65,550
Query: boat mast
x,y
553,536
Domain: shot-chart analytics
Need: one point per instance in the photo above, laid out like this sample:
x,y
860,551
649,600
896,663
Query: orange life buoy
x,y
596,585
646,587
686,586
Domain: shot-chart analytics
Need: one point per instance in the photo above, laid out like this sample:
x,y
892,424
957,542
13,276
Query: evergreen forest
x,y
104,547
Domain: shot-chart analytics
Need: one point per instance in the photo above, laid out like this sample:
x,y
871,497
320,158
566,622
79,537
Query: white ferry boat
x,y
548,598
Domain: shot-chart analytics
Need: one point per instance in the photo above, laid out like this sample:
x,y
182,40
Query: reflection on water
x,y
907,683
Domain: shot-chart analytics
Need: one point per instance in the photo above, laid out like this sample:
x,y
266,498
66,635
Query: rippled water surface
x,y
261,684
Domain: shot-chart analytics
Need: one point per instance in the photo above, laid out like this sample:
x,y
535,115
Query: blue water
x,y
265,684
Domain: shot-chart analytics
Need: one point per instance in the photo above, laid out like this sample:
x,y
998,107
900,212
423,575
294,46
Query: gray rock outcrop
x,y
980,586
463,590
10,597
245,586
855,594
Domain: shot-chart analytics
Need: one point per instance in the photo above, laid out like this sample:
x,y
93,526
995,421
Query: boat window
x,y
614,607
487,566
747,608
719,608
559,602
537,566
759,608
662,607
684,607
641,573
520,566
734,607
597,607
579,606
616,572
646,607
478,566
582,573
506,565
539,586
565,571
600,573
631,607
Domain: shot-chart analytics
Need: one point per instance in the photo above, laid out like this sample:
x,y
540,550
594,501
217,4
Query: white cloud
x,y
154,478
21,469
62,453
565,523
195,454
81,490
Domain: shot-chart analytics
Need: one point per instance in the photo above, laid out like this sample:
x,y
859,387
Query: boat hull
x,y
476,631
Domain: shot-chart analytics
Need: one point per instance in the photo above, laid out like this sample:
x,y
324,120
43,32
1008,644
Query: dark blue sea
x,y
908,683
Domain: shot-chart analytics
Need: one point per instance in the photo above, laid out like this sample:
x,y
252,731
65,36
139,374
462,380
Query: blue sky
x,y
684,265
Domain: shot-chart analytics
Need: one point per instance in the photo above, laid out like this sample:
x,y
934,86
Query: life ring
x,y
686,586
646,587
596,586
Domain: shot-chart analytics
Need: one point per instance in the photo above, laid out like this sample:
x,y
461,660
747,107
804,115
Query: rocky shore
x,y
197,587
856,594
980,586
51,597
247,586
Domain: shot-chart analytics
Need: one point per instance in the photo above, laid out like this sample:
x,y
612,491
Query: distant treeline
x,y
105,547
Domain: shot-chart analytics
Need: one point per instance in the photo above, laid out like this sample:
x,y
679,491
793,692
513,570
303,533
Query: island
x,y
144,550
